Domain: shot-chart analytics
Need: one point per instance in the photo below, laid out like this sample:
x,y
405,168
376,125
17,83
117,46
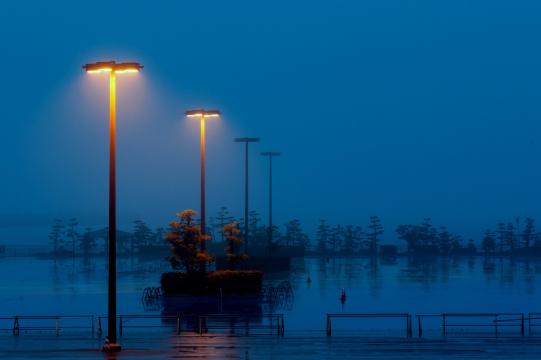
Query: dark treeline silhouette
x,y
425,239
349,239
510,238
292,239
68,240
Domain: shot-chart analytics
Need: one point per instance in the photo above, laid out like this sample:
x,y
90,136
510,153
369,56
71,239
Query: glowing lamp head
x,y
112,66
202,113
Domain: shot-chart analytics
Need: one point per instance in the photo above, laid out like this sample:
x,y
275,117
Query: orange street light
x,y
202,114
112,68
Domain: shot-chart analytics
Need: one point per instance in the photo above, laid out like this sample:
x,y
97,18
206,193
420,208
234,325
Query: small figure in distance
x,y
343,296
309,280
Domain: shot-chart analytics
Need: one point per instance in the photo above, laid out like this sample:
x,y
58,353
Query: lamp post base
x,y
111,348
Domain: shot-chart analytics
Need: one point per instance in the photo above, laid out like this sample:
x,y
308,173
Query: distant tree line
x,y
510,238
426,239
292,235
349,239
67,239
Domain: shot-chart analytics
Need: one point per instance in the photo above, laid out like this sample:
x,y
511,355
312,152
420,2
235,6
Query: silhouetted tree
x,y
335,238
55,236
444,240
72,234
87,243
501,236
351,244
142,236
456,244
528,235
185,239
322,236
222,218
489,242
375,229
159,236
411,234
429,233
232,251
294,234
510,238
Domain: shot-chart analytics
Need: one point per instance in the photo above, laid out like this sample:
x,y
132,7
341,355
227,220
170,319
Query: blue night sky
x,y
403,109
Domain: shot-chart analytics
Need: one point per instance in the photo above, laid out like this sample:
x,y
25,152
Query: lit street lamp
x,y
270,155
246,140
202,115
112,68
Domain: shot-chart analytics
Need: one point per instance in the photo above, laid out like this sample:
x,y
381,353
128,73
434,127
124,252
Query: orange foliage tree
x,y
231,233
185,238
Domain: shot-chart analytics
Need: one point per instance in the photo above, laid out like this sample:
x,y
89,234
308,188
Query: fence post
x,y
328,325
16,326
283,328
92,319
178,324
100,331
200,327
419,326
120,327
529,324
444,330
56,326
522,324
496,325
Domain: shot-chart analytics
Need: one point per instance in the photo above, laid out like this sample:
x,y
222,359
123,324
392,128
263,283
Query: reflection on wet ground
x,y
317,286
297,346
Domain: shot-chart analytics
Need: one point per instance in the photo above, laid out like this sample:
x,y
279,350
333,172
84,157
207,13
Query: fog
x,y
401,109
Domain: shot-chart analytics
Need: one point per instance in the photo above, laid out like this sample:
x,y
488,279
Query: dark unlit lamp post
x,y
112,68
246,140
203,114
270,155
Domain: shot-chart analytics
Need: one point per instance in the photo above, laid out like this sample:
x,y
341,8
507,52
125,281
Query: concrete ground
x,y
291,346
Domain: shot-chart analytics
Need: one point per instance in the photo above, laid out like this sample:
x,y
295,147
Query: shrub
x,y
229,281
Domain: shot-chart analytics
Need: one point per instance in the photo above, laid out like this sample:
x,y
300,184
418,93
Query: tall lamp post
x,y
203,114
246,141
270,155
112,68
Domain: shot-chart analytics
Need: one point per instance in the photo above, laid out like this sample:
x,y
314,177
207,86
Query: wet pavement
x,y
292,346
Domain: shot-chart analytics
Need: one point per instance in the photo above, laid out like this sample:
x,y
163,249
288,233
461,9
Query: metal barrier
x,y
495,321
406,316
55,323
202,323
247,322
130,321
532,323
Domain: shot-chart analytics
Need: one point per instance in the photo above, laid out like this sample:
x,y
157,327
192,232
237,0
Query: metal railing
x,y
249,323
201,324
531,321
271,324
148,321
496,322
404,316
55,323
